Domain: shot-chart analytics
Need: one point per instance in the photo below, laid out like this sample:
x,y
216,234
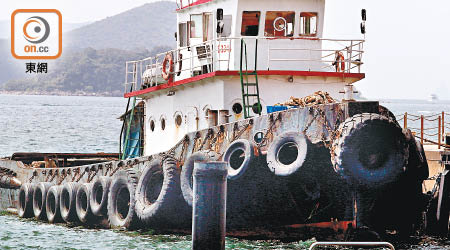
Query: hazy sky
x,y
407,49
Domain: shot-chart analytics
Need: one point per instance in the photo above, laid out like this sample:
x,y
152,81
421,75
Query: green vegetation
x,y
85,72
94,56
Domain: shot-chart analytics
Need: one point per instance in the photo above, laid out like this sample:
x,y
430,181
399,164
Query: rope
x,y
431,120
414,119
400,119
413,115
431,135
430,128
432,142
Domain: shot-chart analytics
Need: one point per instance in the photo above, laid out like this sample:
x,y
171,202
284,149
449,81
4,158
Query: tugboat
x,y
311,162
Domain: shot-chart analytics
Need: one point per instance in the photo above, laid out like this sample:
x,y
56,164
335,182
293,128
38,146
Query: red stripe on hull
x,y
236,73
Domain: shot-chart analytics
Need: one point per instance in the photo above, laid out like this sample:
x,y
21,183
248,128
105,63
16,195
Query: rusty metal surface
x,y
318,123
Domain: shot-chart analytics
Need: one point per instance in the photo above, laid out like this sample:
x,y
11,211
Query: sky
x,y
407,45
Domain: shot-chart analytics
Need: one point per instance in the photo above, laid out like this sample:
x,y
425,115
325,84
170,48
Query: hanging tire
x,y
287,153
25,209
67,201
417,162
83,207
52,204
188,169
370,151
39,200
159,201
238,156
99,196
121,200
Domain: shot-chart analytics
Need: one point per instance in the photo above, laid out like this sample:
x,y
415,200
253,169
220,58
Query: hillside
x,y
88,71
126,36
147,26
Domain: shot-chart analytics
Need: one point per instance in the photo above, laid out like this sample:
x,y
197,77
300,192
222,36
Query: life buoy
x,y
167,74
339,63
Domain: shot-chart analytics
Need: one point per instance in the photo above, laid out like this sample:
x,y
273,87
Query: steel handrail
x,y
215,60
358,244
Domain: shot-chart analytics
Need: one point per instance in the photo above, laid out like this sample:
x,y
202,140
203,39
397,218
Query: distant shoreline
x,y
61,93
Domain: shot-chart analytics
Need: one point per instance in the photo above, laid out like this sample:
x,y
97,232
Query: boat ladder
x,y
250,90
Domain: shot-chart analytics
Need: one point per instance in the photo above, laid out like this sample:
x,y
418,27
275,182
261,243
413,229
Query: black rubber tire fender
x,y
83,207
159,201
39,200
99,196
25,205
236,149
67,201
279,144
188,169
52,204
370,150
417,162
121,200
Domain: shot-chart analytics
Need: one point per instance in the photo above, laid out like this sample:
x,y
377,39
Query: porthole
x,y
178,120
258,138
257,108
152,125
163,123
237,108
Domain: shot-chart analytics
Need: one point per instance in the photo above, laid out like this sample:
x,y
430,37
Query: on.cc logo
x,y
37,25
36,34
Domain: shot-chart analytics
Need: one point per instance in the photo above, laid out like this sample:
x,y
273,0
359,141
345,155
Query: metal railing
x,y
354,244
427,127
311,54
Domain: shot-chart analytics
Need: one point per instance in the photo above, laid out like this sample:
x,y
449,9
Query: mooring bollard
x,y
209,205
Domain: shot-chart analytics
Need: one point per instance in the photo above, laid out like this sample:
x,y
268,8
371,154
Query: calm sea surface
x,y
90,124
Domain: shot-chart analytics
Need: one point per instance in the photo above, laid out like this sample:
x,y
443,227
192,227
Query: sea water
x,y
89,124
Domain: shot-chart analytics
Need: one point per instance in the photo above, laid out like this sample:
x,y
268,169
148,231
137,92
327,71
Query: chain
x,y
241,132
437,177
81,176
268,132
62,178
53,176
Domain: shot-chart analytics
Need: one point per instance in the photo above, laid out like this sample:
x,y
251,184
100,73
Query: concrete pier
x,y
209,206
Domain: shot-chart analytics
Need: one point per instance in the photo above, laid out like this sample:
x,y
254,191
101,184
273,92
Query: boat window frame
x,y
290,13
184,38
301,24
195,26
242,22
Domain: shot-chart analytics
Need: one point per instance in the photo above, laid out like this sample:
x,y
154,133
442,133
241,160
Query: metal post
x,y
421,129
209,206
405,121
439,132
443,126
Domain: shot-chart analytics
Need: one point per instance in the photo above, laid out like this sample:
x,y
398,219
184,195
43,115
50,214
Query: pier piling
x,y
209,205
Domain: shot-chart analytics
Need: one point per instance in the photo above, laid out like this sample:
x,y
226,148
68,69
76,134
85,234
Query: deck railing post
x,y
405,121
443,126
421,129
439,133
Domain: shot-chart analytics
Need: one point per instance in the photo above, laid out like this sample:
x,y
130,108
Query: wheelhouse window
x,y
207,27
279,24
308,24
195,26
227,22
250,23
182,34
